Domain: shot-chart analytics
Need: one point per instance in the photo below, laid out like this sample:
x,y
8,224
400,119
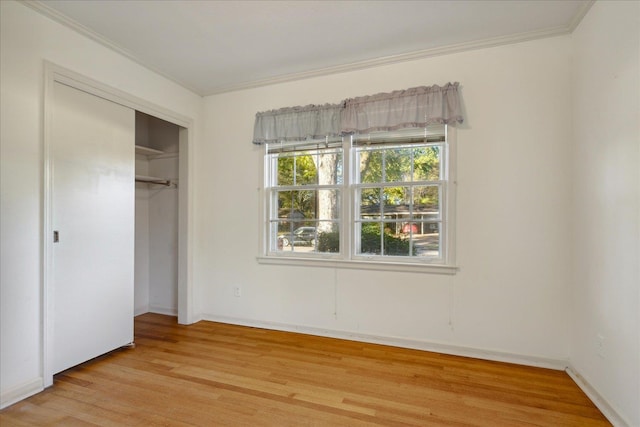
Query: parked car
x,y
300,236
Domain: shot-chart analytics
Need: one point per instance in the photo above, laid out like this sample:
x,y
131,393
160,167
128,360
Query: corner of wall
x,y
601,403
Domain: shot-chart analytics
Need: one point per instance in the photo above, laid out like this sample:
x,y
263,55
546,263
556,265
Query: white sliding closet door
x,y
92,200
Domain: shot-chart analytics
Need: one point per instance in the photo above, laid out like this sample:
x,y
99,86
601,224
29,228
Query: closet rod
x,y
152,180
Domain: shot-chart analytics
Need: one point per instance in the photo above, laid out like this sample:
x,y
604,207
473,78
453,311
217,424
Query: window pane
x,y
328,204
379,238
398,164
370,203
426,241
395,245
296,205
306,172
426,202
396,201
285,170
426,163
305,236
321,167
402,220
370,166
328,239
284,205
370,240
290,235
329,168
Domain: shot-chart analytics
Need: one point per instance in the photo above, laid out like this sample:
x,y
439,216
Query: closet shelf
x,y
146,151
153,180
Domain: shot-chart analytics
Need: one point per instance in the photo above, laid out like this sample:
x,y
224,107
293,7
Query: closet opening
x,y
157,195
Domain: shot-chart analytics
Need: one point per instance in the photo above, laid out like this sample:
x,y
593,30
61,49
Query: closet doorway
x,y
156,210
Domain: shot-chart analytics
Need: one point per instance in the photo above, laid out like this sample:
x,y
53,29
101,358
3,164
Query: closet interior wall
x,y
156,211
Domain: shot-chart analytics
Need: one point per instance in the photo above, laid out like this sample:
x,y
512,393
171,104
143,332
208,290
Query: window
x,y
364,183
304,187
383,197
399,187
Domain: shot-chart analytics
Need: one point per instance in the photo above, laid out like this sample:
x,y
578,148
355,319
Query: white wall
x,y
163,239
513,245
156,279
606,210
27,39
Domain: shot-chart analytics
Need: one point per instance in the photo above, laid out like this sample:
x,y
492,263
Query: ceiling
x,y
217,46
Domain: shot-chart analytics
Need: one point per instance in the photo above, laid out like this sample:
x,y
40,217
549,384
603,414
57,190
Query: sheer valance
x,y
411,108
297,123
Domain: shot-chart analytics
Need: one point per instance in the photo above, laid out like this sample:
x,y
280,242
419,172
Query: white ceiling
x,y
217,46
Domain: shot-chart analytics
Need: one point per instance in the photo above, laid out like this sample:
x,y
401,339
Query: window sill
x,y
406,267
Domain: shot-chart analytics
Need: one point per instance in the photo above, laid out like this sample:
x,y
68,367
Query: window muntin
x,y
391,205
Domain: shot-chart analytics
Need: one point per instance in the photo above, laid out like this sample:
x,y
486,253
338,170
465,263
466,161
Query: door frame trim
x,y
54,73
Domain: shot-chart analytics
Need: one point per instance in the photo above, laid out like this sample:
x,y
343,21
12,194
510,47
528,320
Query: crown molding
x,y
42,8
582,12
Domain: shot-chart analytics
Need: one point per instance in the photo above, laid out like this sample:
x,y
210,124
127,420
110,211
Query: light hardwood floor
x,y
211,374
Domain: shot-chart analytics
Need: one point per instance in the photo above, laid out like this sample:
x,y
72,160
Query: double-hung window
x,y
365,183
383,197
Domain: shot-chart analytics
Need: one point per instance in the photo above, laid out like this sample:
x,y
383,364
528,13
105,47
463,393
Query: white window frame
x,y
347,258
270,195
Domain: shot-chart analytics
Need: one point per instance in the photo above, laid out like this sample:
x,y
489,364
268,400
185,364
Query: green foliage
x,y
329,242
427,164
395,165
370,242
297,170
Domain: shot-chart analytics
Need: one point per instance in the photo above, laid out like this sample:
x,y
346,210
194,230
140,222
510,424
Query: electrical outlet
x,y
600,345
237,291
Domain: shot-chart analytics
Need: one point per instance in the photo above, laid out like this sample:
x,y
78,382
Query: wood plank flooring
x,y
213,374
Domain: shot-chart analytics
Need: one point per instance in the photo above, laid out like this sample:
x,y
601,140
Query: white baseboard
x,y
22,391
601,403
169,311
497,356
140,310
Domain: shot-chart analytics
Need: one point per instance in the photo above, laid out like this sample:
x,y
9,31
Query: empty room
x,y
320,213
